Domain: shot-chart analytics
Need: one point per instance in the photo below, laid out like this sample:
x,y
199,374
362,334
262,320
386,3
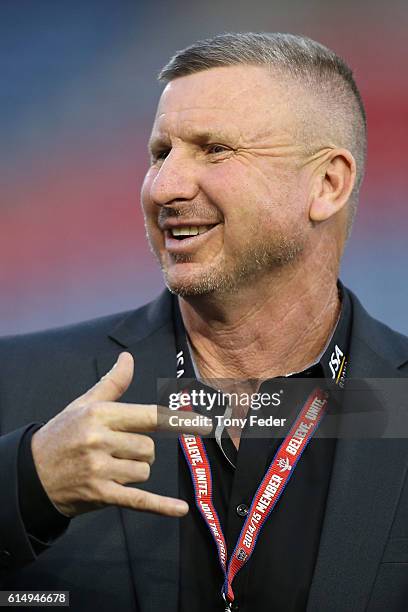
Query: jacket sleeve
x,y
42,520
17,546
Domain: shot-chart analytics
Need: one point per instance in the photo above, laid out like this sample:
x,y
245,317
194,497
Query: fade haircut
x,y
336,115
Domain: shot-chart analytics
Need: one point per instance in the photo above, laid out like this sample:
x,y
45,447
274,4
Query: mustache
x,y
195,211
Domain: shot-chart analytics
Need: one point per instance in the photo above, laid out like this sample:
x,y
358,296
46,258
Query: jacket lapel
x,y
365,485
152,541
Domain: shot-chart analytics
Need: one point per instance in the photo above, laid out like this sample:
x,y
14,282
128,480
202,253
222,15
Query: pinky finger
x,y
144,501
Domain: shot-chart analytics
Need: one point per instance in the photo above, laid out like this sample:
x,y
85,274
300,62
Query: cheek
x,y
245,195
145,199
258,199
230,187
150,212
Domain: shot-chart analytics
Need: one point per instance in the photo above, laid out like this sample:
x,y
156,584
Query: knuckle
x,y
147,448
88,412
94,465
78,410
151,419
151,451
93,411
144,471
92,439
96,490
141,500
150,446
118,387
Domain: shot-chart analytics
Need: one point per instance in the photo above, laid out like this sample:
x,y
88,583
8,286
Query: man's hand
x,y
87,453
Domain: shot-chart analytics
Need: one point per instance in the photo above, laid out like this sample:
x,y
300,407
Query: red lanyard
x,y
269,491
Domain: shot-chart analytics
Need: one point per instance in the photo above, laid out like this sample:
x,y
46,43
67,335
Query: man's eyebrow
x,y
200,137
206,136
157,142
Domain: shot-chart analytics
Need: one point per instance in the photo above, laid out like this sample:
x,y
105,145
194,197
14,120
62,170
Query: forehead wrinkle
x,y
166,117
198,130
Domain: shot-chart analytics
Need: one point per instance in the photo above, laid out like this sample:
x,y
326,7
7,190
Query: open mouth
x,y
188,238
181,233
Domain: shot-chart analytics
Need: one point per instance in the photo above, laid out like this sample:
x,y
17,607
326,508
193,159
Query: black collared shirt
x,y
278,576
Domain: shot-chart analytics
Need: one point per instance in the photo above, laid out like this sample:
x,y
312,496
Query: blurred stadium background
x,y
78,95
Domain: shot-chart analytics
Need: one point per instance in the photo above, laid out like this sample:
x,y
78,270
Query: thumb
x,y
113,384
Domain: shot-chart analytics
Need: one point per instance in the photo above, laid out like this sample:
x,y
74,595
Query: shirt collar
x,y
332,361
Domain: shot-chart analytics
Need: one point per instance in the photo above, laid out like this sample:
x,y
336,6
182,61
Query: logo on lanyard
x,y
284,464
241,555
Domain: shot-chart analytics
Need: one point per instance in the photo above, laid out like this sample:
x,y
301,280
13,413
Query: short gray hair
x,y
319,69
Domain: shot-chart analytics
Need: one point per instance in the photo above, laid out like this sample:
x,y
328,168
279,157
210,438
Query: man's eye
x,y
217,148
160,155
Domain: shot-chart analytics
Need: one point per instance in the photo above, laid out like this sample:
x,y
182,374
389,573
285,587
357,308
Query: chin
x,y
186,283
187,287
206,282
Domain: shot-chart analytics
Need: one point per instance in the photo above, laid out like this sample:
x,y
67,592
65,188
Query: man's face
x,y
226,172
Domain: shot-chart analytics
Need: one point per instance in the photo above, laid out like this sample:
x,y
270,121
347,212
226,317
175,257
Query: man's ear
x,y
333,185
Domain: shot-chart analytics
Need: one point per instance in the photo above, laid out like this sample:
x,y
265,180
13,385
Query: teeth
x,y
191,230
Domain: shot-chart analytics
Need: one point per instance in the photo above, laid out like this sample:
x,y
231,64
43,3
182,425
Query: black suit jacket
x,y
120,559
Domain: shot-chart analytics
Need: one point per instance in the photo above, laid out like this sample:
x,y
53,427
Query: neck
x,y
263,331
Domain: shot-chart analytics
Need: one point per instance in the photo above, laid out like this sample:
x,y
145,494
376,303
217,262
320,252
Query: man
x,y
257,156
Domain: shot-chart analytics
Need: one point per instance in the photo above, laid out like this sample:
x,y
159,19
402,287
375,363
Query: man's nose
x,y
175,180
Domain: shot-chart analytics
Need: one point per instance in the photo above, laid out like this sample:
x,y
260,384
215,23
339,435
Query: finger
x,y
134,446
145,418
113,384
119,416
136,499
125,471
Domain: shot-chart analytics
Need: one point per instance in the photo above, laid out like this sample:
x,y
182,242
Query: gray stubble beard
x,y
253,263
